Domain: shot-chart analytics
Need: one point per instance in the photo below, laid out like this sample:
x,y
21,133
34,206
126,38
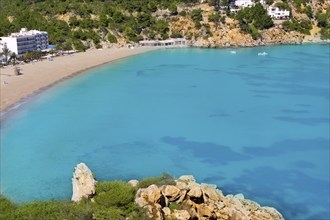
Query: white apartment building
x,y
244,3
277,13
25,41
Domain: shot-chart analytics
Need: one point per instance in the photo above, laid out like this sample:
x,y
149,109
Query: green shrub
x,y
322,19
325,33
6,207
214,17
50,210
108,214
253,19
115,193
176,206
303,26
283,6
164,179
183,13
79,46
196,15
176,34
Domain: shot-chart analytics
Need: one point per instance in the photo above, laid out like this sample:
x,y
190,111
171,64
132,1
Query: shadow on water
x,y
208,152
287,146
281,187
271,186
305,121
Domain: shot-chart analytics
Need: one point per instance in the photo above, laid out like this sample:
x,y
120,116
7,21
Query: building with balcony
x,y
277,13
25,41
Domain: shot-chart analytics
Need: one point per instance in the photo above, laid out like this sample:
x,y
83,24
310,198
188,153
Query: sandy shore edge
x,y
38,76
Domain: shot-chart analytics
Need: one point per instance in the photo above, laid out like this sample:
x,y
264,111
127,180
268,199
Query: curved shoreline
x,y
17,90
39,76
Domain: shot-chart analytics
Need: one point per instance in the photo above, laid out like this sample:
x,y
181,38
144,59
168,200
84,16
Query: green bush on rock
x,y
164,179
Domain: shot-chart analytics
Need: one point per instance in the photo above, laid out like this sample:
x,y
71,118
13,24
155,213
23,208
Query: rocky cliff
x,y
184,199
228,33
190,200
83,182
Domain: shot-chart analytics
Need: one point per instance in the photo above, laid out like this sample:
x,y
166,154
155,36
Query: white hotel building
x,y
277,13
25,41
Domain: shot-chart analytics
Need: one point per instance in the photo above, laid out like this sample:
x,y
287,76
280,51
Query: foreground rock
x,y
83,183
190,200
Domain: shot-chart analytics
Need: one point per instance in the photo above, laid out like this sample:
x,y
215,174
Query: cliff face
x,y
83,183
190,200
227,33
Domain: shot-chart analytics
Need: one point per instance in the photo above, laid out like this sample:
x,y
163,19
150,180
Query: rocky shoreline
x,y
183,199
188,199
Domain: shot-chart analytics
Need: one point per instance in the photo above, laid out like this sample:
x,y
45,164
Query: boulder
x,y
83,183
141,202
154,212
195,191
181,214
167,211
172,193
133,183
210,192
204,211
152,194
187,179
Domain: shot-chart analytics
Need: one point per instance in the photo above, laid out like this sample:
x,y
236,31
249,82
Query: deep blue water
x,y
257,125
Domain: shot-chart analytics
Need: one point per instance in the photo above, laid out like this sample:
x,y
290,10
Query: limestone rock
x,y
133,183
83,183
191,200
204,211
172,193
181,214
153,194
187,179
210,192
195,191
141,202
167,211
155,212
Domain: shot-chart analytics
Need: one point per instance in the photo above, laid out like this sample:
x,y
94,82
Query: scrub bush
x,y
164,179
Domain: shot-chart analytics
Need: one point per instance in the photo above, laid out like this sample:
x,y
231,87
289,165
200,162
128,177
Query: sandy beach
x,y
42,74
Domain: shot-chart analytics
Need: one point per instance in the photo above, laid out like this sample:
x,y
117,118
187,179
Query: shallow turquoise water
x,y
257,125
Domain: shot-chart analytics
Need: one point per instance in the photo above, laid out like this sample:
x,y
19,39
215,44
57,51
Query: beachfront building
x,y
277,13
174,42
25,41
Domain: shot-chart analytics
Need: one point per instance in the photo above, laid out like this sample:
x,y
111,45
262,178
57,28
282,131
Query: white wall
x,y
10,43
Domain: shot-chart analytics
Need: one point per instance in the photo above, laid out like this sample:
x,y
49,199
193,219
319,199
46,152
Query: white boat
x,y
262,54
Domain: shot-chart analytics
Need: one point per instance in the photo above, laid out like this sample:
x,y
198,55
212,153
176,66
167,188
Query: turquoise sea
x,y
257,125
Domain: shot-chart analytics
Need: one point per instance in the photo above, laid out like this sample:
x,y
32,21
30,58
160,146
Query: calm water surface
x,y
257,125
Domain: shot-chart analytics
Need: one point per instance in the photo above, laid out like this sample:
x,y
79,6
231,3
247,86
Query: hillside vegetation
x,y
80,24
113,200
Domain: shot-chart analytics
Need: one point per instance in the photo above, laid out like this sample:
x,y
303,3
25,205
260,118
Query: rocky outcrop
x,y
83,182
191,200
228,33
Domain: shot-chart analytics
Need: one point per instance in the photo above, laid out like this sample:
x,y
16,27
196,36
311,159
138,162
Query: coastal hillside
x,y
153,198
79,25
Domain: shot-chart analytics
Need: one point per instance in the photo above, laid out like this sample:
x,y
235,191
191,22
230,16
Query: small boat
x,y
233,52
262,54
